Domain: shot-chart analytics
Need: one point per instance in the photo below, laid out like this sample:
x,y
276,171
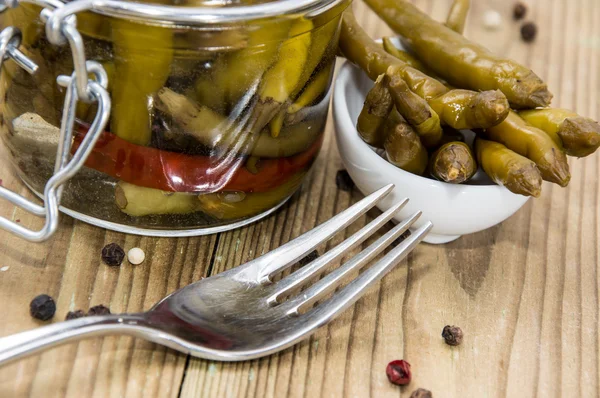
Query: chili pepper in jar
x,y
175,172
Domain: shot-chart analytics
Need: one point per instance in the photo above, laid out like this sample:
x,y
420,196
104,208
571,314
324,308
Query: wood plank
x,y
480,282
115,366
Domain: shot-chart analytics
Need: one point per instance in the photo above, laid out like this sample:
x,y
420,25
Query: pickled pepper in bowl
x,y
461,62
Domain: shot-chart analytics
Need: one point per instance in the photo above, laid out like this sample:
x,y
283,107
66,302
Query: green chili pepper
x,y
143,56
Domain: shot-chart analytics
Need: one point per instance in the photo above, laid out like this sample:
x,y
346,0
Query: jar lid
x,y
166,14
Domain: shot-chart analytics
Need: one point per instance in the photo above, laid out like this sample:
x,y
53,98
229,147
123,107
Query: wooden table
x,y
525,292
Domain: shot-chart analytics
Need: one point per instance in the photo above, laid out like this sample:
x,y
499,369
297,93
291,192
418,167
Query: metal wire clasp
x,y
10,40
60,28
66,166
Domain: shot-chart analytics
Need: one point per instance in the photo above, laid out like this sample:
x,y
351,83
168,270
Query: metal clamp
x,y
10,40
61,28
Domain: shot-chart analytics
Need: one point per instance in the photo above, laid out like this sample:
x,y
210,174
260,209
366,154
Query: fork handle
x,y
27,343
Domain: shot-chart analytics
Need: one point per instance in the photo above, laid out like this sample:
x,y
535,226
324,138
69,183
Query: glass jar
x,y
218,110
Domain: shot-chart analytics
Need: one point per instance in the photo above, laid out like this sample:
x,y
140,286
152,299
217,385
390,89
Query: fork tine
x,y
347,296
288,254
335,278
309,271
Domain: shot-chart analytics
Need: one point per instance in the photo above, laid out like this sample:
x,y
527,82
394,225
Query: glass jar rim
x,y
208,15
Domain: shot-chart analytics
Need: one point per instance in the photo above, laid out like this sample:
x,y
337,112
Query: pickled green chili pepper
x,y
247,205
461,62
315,89
252,164
314,92
236,73
210,128
457,17
579,136
415,110
143,56
282,78
197,120
361,50
465,109
453,162
534,144
358,47
279,82
404,149
505,167
277,123
403,55
140,201
410,60
377,107
321,40
293,140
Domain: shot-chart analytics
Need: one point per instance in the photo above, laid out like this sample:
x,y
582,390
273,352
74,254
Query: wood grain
x,y
524,292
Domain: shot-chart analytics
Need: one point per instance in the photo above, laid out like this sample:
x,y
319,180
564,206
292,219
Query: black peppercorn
x,y
519,11
113,255
529,32
98,310
74,315
42,307
343,181
452,334
421,393
309,258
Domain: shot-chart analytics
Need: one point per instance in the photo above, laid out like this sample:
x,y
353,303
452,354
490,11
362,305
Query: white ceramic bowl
x,y
455,210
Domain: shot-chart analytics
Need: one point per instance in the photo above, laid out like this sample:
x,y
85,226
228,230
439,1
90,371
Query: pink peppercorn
x,y
398,372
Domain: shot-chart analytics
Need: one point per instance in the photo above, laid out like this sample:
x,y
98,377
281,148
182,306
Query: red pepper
x,y
175,172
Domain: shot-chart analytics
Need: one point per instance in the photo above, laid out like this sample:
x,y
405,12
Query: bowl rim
x,y
349,131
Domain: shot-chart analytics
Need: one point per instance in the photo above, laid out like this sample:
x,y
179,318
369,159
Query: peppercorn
x,y
309,258
529,32
136,256
452,334
74,315
421,393
98,310
113,255
343,181
492,20
398,372
519,11
42,307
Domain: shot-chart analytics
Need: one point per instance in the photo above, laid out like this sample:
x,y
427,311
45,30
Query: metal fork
x,y
242,314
